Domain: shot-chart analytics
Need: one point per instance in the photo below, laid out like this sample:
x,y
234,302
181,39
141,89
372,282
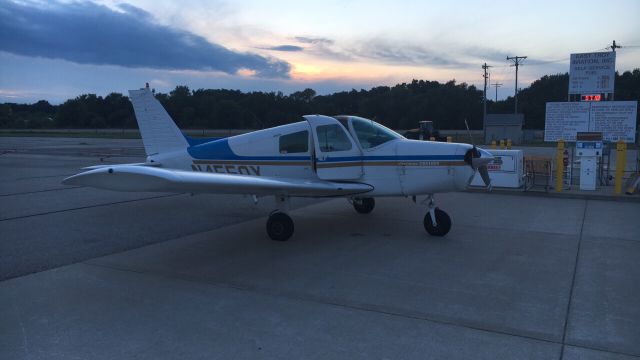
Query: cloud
x,y
378,50
400,52
314,40
284,48
484,53
405,54
88,33
323,47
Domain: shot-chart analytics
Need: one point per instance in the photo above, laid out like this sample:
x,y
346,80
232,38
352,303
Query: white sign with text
x,y
614,119
592,73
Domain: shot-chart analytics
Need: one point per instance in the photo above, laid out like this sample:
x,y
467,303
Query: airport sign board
x,y
592,73
614,119
564,119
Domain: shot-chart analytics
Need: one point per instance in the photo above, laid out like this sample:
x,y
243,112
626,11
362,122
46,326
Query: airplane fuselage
x,y
398,167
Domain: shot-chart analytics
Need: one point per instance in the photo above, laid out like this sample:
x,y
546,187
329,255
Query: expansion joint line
x,y
573,280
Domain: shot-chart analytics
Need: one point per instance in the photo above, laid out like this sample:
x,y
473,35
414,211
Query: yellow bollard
x,y
502,144
621,164
493,144
449,138
508,143
559,165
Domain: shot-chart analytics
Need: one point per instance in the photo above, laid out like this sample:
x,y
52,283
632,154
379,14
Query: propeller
x,y
484,174
473,157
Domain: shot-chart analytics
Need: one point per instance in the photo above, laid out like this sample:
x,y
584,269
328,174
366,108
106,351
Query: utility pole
x,y
496,85
484,100
516,62
614,46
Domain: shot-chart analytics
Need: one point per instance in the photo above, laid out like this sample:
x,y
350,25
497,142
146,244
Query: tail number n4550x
x,y
228,169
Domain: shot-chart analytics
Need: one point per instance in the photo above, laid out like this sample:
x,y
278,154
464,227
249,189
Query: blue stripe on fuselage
x,y
220,150
394,158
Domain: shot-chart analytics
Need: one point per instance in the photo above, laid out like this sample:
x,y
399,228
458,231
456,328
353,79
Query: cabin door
x,y
336,155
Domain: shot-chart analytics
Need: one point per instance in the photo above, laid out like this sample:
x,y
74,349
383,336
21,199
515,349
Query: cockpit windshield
x,y
371,134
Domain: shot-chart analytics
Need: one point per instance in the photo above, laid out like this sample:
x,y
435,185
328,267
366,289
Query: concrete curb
x,y
562,195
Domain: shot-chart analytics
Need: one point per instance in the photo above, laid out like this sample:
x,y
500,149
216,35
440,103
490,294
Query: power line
x,y
536,63
501,73
516,62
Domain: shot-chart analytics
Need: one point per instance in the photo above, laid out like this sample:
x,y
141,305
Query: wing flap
x,y
143,178
92,167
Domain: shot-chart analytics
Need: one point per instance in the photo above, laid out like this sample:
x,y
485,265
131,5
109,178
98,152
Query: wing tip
x,y
71,180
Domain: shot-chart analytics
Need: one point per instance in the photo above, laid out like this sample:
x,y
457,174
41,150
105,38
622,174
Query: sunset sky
x,y
56,50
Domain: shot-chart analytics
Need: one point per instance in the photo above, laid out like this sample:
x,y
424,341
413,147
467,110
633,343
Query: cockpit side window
x,y
297,142
371,134
332,138
343,120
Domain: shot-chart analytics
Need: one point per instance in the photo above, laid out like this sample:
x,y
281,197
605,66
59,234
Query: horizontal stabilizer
x,y
144,178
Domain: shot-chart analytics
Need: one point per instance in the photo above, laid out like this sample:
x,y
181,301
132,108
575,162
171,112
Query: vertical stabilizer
x,y
159,133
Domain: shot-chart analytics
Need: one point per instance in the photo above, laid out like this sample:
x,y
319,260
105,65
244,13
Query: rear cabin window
x,y
333,138
297,142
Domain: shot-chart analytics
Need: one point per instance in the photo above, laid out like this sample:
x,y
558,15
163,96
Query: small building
x,y
504,126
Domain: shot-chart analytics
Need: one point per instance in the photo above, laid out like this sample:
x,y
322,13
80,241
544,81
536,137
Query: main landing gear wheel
x,y
443,223
364,205
279,226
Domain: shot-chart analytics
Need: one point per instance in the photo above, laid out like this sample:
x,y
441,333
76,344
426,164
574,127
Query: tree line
x,y
399,107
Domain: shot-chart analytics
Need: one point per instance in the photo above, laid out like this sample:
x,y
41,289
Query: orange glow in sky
x,y
286,45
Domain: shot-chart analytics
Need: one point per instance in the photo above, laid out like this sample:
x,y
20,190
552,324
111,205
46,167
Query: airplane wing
x,y
145,178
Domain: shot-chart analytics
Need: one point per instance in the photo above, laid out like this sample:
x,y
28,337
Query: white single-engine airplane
x,y
322,156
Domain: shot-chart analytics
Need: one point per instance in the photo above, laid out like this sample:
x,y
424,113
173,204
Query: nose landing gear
x,y
436,221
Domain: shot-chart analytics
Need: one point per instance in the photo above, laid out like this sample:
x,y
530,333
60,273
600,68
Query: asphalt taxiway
x,y
97,274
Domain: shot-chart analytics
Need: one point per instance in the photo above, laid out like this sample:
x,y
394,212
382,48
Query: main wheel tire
x,y
364,205
279,226
442,219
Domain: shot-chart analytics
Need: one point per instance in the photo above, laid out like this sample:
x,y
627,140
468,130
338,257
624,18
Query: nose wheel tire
x,y
443,223
364,205
279,226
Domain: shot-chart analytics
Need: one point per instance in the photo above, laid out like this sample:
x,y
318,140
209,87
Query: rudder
x,y
159,132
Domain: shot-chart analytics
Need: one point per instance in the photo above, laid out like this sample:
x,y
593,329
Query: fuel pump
x,y
589,150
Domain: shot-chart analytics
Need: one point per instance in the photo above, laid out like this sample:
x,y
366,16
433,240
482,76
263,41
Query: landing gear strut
x,y
363,205
436,221
279,225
